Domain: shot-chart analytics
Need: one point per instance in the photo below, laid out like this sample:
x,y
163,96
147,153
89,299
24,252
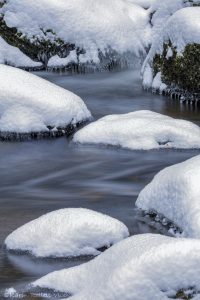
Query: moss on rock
x,y
180,70
186,295
42,47
37,49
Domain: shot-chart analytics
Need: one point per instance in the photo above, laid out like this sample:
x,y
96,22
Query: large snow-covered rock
x,y
141,130
175,193
170,36
12,56
30,104
66,233
91,25
141,267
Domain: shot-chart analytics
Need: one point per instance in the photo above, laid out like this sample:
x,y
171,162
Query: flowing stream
x,y
41,176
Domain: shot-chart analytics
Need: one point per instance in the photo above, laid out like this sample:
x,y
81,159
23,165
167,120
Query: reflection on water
x,y
41,176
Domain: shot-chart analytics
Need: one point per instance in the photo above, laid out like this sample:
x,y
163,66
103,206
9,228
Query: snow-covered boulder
x,y
12,56
141,267
30,105
141,130
175,50
174,193
91,26
66,233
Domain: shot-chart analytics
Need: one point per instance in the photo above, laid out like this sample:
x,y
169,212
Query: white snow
x,y
66,233
91,24
56,61
161,12
13,56
169,53
175,193
29,103
141,130
143,3
141,267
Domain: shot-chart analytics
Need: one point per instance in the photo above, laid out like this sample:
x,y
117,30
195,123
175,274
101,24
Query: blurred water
x,y
40,176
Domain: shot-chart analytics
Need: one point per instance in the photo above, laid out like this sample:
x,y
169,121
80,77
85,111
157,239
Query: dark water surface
x,y
40,176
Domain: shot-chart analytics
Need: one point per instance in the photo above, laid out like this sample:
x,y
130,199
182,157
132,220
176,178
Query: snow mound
x,y
30,104
141,267
91,25
66,233
175,193
141,130
12,56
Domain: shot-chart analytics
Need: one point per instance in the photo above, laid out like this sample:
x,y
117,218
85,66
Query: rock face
x,y
31,107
